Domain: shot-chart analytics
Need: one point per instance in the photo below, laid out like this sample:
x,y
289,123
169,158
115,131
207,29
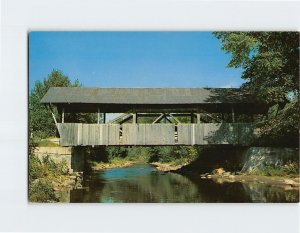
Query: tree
x,y
41,124
40,119
270,62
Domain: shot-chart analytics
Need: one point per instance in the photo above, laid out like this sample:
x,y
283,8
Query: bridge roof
x,y
146,95
178,97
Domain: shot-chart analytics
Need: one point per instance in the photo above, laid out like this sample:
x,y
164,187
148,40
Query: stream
x,y
142,183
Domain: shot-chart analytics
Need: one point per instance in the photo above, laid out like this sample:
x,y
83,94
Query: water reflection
x,y
141,183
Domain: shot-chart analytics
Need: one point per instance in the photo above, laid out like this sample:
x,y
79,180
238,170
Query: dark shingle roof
x,y
57,95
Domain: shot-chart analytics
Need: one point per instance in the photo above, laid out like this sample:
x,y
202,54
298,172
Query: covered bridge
x,y
212,115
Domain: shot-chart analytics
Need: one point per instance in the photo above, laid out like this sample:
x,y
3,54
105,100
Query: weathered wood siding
x,y
77,134
215,134
148,134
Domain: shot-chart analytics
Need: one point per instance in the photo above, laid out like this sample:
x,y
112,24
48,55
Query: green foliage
x,y
45,168
31,145
41,123
116,151
40,120
35,168
41,174
139,153
46,143
41,191
291,168
54,168
281,128
270,62
173,154
165,154
288,169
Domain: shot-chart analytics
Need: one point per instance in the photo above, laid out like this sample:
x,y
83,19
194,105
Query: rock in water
x,y
291,182
219,171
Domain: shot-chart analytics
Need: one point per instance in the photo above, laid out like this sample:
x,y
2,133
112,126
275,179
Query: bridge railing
x,y
78,134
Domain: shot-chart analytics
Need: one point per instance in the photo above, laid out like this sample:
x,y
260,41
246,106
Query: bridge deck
x,y
78,134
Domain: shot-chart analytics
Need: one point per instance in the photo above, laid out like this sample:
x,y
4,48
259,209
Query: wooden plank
x,y
198,118
107,135
85,134
148,134
113,134
128,132
77,134
98,116
185,134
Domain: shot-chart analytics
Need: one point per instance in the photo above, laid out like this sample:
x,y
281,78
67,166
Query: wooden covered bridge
x,y
156,116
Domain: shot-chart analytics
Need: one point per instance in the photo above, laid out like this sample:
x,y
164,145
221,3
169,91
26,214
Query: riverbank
x,y
220,176
166,167
288,183
115,163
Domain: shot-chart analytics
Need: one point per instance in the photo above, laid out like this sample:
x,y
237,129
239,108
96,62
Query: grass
x,y
289,169
46,143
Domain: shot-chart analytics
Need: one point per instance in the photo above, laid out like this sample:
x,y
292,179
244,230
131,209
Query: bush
x,y
165,154
116,151
173,154
41,175
41,191
54,168
35,168
138,153
290,168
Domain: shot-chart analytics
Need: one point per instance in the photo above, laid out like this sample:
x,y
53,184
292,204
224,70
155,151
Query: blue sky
x,y
132,59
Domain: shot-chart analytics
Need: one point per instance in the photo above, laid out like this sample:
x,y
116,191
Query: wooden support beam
x,y
166,117
175,118
127,118
134,118
158,118
148,114
181,114
122,118
54,118
63,115
198,118
214,118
